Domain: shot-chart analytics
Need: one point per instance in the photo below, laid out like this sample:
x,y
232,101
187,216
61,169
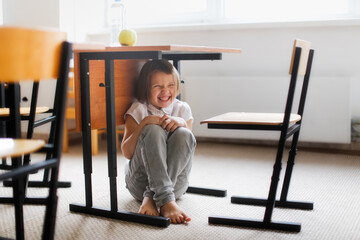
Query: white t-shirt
x,y
177,108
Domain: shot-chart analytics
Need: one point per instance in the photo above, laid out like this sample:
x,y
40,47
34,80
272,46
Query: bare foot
x,y
148,207
171,210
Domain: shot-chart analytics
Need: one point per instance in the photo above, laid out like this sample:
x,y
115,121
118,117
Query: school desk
x,y
103,93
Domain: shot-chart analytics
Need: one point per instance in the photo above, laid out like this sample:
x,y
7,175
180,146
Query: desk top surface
x,y
166,48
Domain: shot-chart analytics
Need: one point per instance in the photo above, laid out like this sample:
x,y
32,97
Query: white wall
x,y
34,13
39,14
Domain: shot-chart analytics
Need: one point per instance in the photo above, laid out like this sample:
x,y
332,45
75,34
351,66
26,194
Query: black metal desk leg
x,y
86,129
176,64
111,128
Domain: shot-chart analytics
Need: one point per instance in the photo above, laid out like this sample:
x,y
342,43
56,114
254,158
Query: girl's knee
x,y
153,130
184,135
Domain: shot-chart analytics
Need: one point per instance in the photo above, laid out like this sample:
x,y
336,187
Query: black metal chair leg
x,y
18,193
266,223
283,202
51,207
39,184
278,203
289,167
275,178
250,223
4,165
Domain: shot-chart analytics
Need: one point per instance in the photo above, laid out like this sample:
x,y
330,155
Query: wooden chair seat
x,y
17,147
251,118
24,111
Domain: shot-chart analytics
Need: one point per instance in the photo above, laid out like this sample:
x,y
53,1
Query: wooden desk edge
x,y
175,48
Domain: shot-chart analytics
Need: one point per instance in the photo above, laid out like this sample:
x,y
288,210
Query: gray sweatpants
x,y
161,164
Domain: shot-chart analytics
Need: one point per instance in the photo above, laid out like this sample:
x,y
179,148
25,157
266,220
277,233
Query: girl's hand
x,y
152,119
172,123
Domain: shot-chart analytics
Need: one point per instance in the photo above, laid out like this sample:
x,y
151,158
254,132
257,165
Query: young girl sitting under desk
x,y
159,142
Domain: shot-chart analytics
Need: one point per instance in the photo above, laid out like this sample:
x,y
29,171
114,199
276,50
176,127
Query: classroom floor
x,y
329,180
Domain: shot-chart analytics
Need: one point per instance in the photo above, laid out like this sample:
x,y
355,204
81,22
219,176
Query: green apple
x,y
127,37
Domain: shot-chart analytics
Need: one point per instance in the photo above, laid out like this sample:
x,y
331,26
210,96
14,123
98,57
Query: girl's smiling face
x,y
162,90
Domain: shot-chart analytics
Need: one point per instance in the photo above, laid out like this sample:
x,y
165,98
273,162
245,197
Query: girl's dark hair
x,y
143,82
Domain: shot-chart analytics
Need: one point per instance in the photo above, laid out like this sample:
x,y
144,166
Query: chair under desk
x,y
99,73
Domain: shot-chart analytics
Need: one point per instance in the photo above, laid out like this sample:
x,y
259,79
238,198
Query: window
x,y
81,17
174,12
170,12
289,10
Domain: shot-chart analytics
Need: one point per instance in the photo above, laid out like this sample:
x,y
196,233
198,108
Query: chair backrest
x,y
301,62
28,54
305,50
37,54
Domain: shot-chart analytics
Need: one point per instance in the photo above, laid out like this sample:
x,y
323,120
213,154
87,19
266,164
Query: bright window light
x,y
91,16
287,10
173,12
160,12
